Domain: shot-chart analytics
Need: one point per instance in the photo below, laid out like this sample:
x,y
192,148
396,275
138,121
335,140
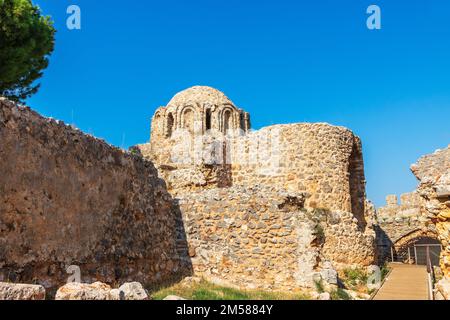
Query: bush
x,y
319,233
354,277
384,271
339,294
319,286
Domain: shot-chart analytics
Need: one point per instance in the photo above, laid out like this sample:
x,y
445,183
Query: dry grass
x,y
204,290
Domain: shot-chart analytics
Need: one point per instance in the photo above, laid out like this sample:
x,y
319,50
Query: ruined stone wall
x,y
400,219
67,198
433,172
322,160
230,184
400,224
251,238
263,237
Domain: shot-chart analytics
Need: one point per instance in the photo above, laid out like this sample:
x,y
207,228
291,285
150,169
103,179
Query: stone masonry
x,y
433,172
67,198
232,184
322,160
263,237
271,209
399,224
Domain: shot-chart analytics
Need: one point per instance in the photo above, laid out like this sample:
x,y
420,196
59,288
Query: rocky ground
x,y
349,284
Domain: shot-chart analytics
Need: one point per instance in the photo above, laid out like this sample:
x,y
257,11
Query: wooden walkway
x,y
405,282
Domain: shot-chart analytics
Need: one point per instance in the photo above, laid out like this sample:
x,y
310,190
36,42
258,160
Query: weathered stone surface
x,y
12,291
357,295
263,237
262,218
191,134
130,291
433,171
397,224
222,225
443,287
101,291
324,296
173,298
329,274
83,291
261,209
67,198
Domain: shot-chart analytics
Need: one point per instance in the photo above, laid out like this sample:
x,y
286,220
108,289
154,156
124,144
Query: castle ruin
x,y
273,209
266,208
402,226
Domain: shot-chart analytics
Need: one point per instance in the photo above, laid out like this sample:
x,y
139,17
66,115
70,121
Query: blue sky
x,y
282,61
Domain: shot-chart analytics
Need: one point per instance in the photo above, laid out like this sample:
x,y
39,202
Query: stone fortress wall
x,y
270,209
211,173
323,160
400,219
67,198
263,237
433,172
398,224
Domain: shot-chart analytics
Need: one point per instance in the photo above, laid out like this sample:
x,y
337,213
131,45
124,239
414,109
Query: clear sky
x,y
282,61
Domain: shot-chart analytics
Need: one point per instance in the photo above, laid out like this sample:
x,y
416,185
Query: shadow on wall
x,y
357,184
384,245
181,256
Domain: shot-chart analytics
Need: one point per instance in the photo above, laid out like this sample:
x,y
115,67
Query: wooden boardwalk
x,y
405,282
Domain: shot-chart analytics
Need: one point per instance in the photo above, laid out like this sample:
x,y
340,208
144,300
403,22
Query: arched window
x,y
227,121
208,119
170,122
156,125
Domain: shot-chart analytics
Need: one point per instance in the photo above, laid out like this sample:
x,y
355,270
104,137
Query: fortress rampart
x,y
227,177
67,198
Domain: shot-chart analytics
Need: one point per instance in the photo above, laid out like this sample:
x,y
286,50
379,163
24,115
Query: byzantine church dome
x,y
201,95
199,109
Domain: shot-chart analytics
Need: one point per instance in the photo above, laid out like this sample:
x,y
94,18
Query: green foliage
x,y
355,277
339,294
219,294
319,233
385,269
319,286
207,291
26,41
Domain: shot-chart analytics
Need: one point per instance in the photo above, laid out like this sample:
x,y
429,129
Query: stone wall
x,y
322,160
400,219
231,183
433,172
319,159
263,237
67,198
401,224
